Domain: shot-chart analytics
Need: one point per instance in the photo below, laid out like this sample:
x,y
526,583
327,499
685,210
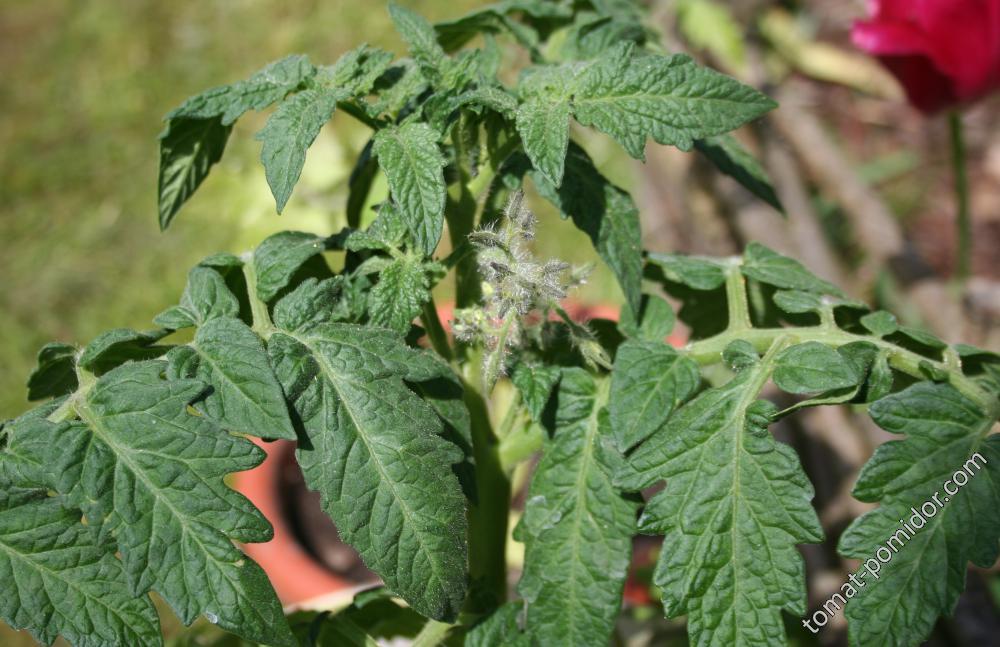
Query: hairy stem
x,y
709,351
963,251
460,215
262,324
494,360
520,444
433,633
67,410
488,516
736,298
435,331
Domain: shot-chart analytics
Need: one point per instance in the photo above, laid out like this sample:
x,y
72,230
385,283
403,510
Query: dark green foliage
x,y
116,486
55,374
729,156
577,528
944,432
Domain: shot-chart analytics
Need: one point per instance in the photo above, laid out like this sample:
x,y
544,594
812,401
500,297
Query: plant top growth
x,y
114,486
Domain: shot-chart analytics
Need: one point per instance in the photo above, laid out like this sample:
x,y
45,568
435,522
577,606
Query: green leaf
x,y
735,505
196,132
729,156
222,262
632,97
174,318
798,302
656,320
245,397
55,373
648,382
767,266
432,378
412,161
279,257
499,628
355,73
420,36
859,355
374,610
397,88
374,452
139,465
880,323
543,125
577,528
696,272
403,288
465,69
326,629
880,378
115,347
205,297
497,99
592,34
359,184
619,9
268,85
30,460
495,19
870,366
740,354
188,150
968,351
310,304
388,232
932,372
289,133
922,338
980,364
60,578
535,384
812,367
606,214
945,433
26,461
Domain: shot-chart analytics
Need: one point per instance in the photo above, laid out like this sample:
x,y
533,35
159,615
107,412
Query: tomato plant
x,y
114,486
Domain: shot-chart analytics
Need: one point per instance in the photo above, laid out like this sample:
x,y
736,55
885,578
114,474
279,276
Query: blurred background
x,y
864,177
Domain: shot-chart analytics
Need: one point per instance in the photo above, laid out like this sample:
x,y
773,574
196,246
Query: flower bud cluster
x,y
515,284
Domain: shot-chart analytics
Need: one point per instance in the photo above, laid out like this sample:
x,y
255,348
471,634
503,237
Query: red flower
x,y
944,52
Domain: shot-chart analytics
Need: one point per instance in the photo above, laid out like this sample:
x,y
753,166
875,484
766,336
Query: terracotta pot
x,y
300,578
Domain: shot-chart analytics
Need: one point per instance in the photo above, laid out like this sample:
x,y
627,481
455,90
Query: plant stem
x,y
85,381
433,633
519,445
514,411
460,215
494,361
709,351
262,324
435,331
488,516
963,251
736,299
